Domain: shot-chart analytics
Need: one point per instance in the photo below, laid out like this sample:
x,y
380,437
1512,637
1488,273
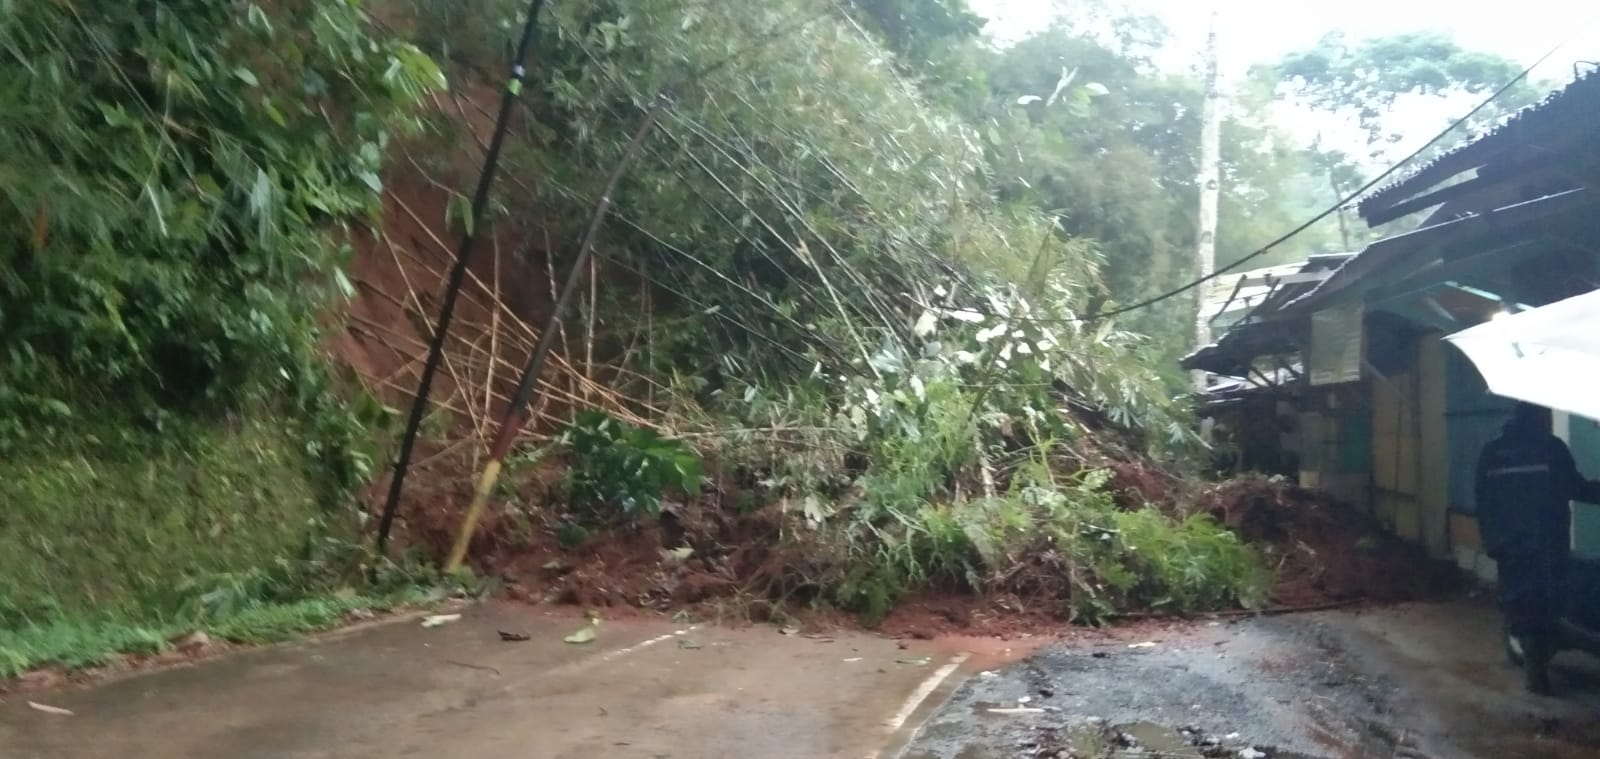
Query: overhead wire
x,y
657,239
1335,208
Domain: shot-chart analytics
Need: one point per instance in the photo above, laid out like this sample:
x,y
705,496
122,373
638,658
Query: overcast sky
x,y
1253,31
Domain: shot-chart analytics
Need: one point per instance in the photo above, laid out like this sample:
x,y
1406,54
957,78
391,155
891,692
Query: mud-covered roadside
x,y
1423,681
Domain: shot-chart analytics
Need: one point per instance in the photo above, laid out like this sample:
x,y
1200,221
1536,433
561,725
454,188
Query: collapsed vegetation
x,y
841,344
1087,547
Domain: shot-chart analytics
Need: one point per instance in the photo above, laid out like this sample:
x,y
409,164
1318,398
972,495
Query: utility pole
x,y
1210,179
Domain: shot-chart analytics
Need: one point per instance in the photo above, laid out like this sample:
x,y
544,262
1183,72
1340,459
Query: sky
x,y
1253,31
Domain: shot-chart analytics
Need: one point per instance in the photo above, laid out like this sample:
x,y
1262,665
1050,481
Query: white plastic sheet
x,y
1549,355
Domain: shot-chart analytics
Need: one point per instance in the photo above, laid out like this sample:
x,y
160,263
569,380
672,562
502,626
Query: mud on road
x,y
1426,681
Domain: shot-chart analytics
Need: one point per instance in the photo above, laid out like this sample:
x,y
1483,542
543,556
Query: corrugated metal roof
x,y
1380,254
1556,110
1288,285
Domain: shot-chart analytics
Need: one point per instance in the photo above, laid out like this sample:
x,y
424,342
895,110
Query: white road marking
x,y
924,690
582,664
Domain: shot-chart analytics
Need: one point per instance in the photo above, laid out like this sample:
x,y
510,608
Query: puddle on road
x,y
1149,738
1099,740
1137,739
1038,731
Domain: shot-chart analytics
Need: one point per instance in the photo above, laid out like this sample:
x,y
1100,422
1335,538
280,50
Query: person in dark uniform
x,y
1526,480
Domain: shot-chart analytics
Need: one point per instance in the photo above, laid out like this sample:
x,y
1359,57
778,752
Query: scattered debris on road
x,y
439,620
585,635
513,637
48,709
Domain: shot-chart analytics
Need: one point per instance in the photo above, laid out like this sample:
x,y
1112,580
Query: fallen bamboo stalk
x,y
530,374
619,409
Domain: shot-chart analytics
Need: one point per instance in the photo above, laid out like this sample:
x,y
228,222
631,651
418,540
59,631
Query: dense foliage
x,y
180,172
178,180
858,262
1369,82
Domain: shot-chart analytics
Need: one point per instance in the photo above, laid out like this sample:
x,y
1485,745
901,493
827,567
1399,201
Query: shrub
x,y
614,465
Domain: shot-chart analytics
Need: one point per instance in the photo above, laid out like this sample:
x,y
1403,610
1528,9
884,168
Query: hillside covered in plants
x,y
873,313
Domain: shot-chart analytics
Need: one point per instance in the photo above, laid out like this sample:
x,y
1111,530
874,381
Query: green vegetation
x,y
1054,542
110,528
858,265
124,546
178,180
620,468
1365,80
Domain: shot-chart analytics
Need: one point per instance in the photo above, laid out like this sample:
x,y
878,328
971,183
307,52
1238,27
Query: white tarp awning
x,y
1549,355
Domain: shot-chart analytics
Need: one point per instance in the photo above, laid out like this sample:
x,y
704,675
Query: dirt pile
x,y
1322,550
737,566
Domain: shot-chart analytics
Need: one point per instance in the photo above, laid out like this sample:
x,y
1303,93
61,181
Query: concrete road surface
x,y
643,689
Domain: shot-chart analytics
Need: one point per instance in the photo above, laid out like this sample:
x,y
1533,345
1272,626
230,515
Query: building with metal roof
x,y
1387,414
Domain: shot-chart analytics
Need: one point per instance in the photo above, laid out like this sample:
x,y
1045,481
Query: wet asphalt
x,y
1426,681
1422,681
644,688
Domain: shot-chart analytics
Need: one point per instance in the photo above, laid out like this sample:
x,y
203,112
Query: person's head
x,y
1530,416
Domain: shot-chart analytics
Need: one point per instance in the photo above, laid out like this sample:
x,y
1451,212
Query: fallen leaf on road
x,y
436,620
48,709
513,637
586,635
917,662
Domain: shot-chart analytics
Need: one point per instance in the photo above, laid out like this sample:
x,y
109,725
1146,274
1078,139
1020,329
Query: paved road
x,y
643,689
1425,681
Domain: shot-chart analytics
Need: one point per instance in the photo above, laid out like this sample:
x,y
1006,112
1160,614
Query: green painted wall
x,y
1584,439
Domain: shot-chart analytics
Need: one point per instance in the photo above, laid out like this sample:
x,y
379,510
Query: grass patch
x,y
76,644
114,529
117,541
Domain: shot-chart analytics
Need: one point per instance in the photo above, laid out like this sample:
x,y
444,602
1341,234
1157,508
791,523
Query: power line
x,y
1335,208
